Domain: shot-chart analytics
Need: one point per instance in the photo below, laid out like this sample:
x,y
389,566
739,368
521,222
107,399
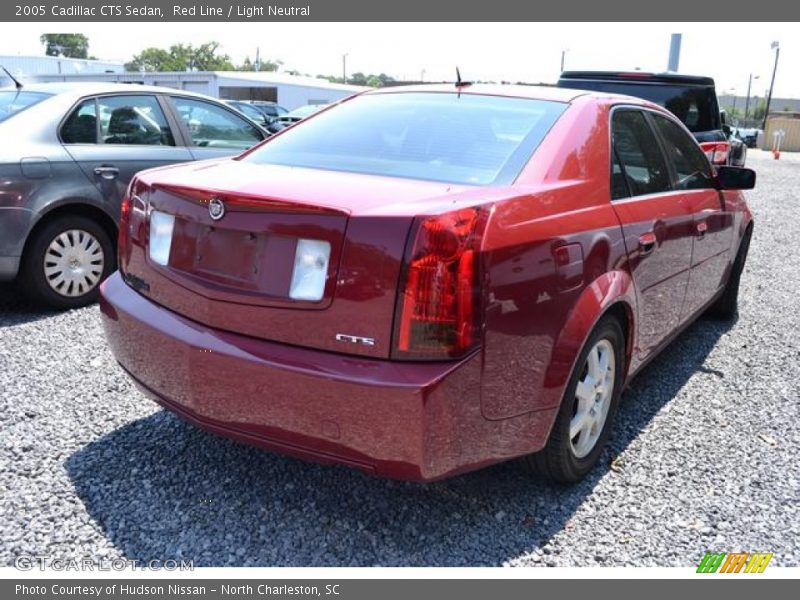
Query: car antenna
x,y
14,79
459,82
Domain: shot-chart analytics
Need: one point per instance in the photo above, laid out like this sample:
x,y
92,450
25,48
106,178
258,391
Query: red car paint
x,y
235,356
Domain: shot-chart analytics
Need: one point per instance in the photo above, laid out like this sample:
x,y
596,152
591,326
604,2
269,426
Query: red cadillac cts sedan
x,y
421,281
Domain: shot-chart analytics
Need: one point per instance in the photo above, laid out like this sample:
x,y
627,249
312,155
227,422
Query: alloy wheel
x,y
593,396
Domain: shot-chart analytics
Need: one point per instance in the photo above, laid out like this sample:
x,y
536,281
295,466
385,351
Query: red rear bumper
x,y
417,421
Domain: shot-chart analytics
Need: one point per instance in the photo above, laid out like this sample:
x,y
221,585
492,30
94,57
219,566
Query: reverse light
x,y
437,309
161,226
310,272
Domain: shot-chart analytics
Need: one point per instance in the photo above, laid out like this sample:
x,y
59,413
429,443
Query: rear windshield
x,y
12,102
696,106
466,139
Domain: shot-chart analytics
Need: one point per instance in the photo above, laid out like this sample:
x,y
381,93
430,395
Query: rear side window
x,y
690,163
80,127
638,152
212,126
619,187
466,138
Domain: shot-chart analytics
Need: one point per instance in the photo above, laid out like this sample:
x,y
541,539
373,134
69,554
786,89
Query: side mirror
x,y
727,129
735,178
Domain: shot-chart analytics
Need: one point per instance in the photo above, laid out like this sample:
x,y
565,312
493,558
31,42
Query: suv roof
x,y
691,98
640,77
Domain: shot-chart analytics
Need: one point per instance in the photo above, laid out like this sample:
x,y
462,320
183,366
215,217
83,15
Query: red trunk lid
x,y
234,273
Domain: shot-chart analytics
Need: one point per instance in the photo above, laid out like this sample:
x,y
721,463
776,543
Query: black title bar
x,y
404,10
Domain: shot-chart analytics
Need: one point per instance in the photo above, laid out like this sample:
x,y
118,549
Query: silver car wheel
x,y
593,396
73,263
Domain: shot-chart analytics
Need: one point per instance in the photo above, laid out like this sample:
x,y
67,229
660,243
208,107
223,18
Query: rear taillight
x,y
717,152
437,315
132,214
124,226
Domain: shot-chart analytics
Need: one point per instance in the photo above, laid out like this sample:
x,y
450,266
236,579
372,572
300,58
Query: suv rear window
x,y
467,138
695,105
14,102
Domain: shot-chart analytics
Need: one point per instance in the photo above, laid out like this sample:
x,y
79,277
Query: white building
x,y
289,91
29,67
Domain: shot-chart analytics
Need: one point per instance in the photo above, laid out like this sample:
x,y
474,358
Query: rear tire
x,y
65,262
568,457
726,307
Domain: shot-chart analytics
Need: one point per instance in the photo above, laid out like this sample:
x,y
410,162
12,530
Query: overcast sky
x,y
488,51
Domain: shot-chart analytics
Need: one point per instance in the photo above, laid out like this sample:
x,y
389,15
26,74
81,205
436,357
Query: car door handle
x,y
701,228
647,243
106,172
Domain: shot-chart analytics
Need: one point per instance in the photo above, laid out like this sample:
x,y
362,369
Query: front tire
x,y
587,411
66,261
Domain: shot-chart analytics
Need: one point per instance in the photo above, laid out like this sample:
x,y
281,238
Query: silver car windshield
x,y
12,102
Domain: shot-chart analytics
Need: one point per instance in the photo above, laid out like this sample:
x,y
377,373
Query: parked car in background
x,y
749,135
67,154
273,110
292,117
692,99
426,280
250,111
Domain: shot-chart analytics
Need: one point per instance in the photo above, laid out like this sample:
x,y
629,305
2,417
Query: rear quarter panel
x,y
555,261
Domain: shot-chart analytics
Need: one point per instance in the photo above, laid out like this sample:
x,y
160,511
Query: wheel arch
x,y
612,293
74,208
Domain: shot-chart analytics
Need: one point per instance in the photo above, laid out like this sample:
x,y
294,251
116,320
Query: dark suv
x,y
690,98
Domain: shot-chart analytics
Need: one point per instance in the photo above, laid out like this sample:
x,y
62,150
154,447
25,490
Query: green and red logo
x,y
734,562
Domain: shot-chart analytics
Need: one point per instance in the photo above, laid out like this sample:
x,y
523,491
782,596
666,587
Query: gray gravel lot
x,y
705,455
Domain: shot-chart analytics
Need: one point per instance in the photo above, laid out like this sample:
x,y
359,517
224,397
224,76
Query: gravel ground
x,y
705,456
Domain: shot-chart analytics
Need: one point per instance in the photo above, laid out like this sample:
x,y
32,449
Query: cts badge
x,y
216,209
355,339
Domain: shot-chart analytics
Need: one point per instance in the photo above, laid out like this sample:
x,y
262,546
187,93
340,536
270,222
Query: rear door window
x,y
133,121
638,152
691,166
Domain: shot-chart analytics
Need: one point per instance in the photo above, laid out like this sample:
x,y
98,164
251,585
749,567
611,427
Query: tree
x,y
71,45
357,78
757,111
181,57
264,65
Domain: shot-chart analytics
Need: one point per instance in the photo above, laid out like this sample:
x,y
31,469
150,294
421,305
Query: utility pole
x,y
747,102
344,68
563,56
674,52
775,46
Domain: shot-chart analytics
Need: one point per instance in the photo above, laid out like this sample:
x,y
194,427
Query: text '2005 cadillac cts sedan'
x,y
418,282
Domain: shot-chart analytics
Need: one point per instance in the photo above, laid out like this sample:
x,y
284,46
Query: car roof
x,y
85,88
534,92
